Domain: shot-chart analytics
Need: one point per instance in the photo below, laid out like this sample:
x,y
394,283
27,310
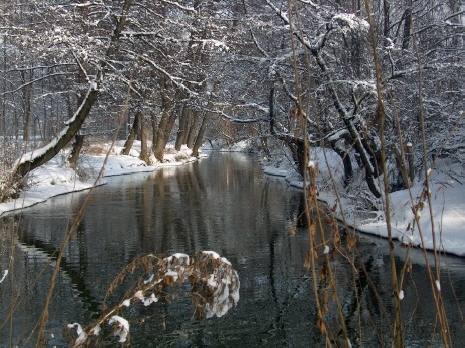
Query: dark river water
x,y
222,203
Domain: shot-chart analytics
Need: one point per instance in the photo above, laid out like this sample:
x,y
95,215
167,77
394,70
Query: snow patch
x,y
120,327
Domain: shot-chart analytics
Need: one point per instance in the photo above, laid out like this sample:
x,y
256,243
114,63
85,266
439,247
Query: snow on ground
x,y
447,200
448,207
53,178
448,196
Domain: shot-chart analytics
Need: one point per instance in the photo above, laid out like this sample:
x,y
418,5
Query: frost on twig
x,y
214,289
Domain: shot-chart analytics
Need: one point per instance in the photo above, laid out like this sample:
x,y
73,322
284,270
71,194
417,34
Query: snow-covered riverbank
x,y
447,202
447,195
54,178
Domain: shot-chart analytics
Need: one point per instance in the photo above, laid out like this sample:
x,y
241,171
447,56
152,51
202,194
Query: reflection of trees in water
x,y
30,262
222,203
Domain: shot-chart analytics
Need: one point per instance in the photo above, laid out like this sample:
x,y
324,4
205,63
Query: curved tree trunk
x,y
34,159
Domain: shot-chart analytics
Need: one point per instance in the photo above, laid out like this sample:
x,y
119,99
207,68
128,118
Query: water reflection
x,y
222,203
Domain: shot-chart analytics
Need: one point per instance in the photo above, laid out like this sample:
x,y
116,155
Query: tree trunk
x,y
271,108
387,21
407,28
27,100
297,147
154,120
135,130
410,161
199,139
355,135
144,151
170,125
340,149
193,129
159,146
166,122
75,150
182,128
401,166
34,159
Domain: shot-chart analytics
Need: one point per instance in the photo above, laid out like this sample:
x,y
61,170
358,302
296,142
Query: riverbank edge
x,y
118,165
47,176
365,227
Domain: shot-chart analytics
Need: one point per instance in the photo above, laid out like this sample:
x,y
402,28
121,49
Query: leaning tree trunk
x,y
203,127
199,139
75,150
135,130
34,159
337,145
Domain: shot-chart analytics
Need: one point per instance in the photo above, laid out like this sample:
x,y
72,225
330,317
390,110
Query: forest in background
x,y
183,71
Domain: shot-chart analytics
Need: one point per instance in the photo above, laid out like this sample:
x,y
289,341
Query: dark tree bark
x,y
170,124
407,28
30,161
297,147
387,20
339,148
27,101
159,145
194,124
133,134
182,128
199,139
154,120
164,126
144,151
272,112
75,150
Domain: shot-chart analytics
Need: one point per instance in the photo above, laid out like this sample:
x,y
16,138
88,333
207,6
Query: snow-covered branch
x,y
214,282
176,80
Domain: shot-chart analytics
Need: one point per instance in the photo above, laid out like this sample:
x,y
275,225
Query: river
x,y
222,203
